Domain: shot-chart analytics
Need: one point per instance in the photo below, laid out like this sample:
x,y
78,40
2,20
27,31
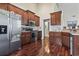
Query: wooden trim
x,y
16,6
56,12
30,11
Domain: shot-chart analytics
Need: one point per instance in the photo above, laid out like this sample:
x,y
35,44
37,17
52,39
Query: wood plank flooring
x,y
31,49
36,49
56,50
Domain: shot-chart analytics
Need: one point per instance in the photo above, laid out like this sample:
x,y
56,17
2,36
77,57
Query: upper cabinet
x,y
25,20
56,18
26,15
4,6
33,17
12,8
19,11
37,20
30,15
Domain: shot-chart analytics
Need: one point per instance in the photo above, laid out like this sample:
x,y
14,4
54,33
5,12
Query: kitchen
x,y
26,36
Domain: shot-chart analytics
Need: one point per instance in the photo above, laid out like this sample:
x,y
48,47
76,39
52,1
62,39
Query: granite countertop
x,y
25,31
73,33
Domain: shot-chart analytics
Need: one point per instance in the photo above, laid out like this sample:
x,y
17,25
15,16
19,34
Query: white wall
x,y
69,9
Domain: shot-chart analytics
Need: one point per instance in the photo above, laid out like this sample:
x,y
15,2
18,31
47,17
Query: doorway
x,y
46,37
46,28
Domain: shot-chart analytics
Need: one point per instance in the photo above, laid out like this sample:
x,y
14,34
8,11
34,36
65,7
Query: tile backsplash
x,y
56,28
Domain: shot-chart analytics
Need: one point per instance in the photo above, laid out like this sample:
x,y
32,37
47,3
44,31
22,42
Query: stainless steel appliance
x,y
14,32
4,32
10,29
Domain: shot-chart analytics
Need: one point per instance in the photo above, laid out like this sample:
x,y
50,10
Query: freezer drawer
x,y
4,45
15,46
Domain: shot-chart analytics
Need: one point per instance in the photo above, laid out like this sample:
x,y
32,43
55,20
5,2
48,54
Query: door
x,y
46,36
46,28
4,32
15,26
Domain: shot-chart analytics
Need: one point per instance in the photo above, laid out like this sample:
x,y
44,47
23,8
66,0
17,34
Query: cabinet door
x,y
56,18
65,41
30,15
53,22
51,38
37,20
22,39
4,6
76,45
39,35
25,37
25,18
15,9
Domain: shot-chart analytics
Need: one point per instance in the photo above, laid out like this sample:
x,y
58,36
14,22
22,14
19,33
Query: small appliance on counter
x,y
26,28
32,23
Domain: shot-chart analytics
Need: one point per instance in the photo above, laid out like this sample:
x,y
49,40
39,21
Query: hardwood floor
x,y
36,49
31,49
56,49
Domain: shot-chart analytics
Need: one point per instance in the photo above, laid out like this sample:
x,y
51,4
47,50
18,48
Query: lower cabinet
x,y
30,48
25,37
66,39
55,38
58,40
76,45
39,35
55,42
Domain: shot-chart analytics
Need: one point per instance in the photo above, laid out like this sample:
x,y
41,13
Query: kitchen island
x,y
67,39
74,42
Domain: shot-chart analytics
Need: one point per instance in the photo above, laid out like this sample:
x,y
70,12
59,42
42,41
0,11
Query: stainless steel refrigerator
x,y
10,30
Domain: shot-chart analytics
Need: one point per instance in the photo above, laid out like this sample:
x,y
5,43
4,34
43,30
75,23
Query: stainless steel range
x,y
10,29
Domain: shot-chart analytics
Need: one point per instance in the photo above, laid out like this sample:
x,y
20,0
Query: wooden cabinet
x,y
55,42
30,15
21,12
33,17
55,38
37,20
15,9
76,45
66,39
25,37
26,15
39,36
25,20
56,18
4,6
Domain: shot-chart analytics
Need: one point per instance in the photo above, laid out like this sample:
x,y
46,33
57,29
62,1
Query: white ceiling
x,y
72,8
69,9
